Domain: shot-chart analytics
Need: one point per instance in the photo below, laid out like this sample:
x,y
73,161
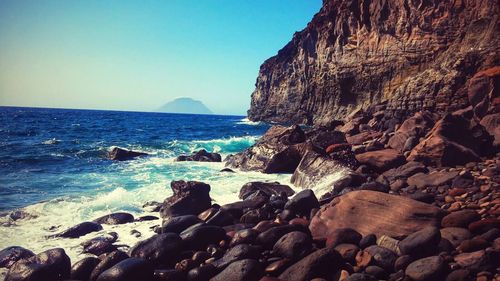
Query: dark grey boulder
x,y
179,224
293,245
78,230
131,269
421,243
426,269
115,218
265,188
198,237
318,264
101,244
189,198
269,237
238,252
201,156
82,269
243,270
382,257
303,202
107,261
10,255
160,249
121,154
50,265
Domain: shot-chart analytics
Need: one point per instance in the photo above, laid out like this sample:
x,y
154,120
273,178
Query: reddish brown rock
x,y
381,160
363,137
451,142
460,218
484,225
374,212
414,127
482,89
438,178
491,123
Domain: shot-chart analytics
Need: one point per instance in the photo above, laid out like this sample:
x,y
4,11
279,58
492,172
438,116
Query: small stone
x,y
426,269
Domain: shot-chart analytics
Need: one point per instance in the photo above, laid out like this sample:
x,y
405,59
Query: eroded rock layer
x,y
412,54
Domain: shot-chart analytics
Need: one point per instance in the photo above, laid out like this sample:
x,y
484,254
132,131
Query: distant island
x,y
185,105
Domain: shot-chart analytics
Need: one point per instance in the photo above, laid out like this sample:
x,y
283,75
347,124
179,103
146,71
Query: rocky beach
x,y
389,115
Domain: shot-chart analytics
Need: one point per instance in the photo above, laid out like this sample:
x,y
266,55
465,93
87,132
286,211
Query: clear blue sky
x,y
137,55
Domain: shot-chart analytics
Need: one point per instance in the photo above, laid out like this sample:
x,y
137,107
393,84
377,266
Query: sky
x,y
138,55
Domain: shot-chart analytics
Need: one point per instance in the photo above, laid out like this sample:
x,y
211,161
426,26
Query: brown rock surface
x,y
413,54
374,212
381,160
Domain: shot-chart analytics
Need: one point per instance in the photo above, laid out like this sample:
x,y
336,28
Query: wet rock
x,y
421,243
381,160
348,252
278,151
491,123
266,188
121,154
158,249
422,197
237,209
478,261
49,265
101,244
426,269
169,275
10,255
370,212
360,277
107,261
455,235
377,272
78,230
368,240
202,273
221,218
130,269
115,218
238,252
402,262
201,156
315,168
303,202
324,137
293,245
316,264
244,236
459,275
198,237
243,270
179,224
189,198
82,269
382,257
343,235
472,245
269,237
146,218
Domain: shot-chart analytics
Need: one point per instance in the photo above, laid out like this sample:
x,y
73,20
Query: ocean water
x,y
53,166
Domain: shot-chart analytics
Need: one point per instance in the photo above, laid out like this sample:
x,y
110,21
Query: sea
x,y
54,172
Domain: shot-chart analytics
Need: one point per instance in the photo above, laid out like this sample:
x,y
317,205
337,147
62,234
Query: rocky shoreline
x,y
417,199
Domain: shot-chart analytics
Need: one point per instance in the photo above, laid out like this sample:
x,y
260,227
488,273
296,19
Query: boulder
x,y
101,244
160,249
381,160
107,261
278,151
451,142
78,230
324,137
426,269
315,169
438,178
178,224
201,156
115,218
382,257
10,255
405,171
491,124
121,154
189,198
82,269
131,269
243,270
199,236
50,265
318,264
265,188
293,245
415,127
363,137
421,243
343,235
482,89
303,202
238,252
455,235
269,237
371,212
460,218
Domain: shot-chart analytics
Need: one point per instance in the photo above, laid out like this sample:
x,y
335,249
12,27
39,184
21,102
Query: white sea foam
x,y
246,121
51,141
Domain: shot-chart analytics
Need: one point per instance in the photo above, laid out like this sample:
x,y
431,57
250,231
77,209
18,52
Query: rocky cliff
x,y
409,54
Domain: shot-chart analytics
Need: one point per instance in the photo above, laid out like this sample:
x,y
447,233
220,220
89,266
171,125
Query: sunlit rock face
x,y
412,54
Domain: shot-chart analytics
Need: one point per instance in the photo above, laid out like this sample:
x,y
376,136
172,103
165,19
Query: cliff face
x,y
410,54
